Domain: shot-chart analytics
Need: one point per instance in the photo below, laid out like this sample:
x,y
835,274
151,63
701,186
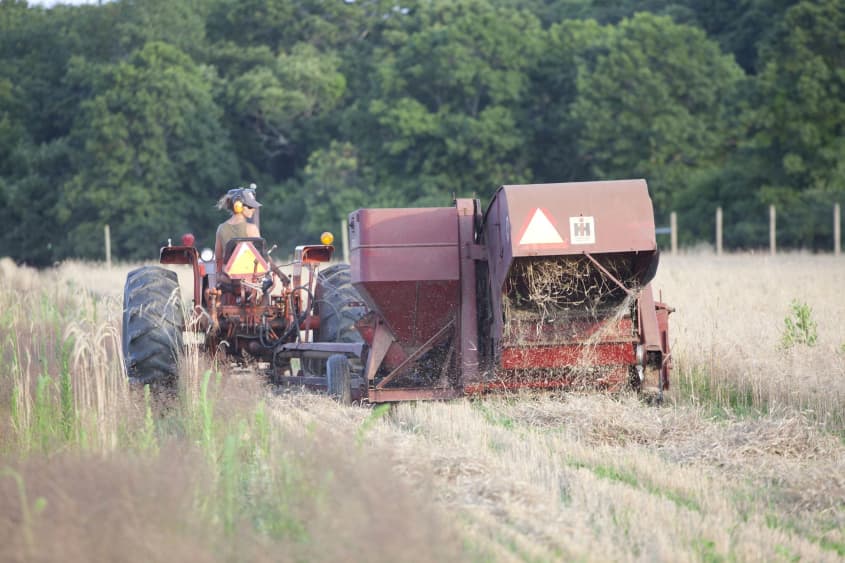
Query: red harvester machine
x,y
547,288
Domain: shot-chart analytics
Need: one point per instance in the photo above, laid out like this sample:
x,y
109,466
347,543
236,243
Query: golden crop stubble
x,y
730,320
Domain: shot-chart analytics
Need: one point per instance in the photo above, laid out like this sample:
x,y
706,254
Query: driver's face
x,y
248,212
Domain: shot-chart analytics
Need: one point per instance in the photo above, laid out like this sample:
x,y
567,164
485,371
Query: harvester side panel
x,y
417,309
405,265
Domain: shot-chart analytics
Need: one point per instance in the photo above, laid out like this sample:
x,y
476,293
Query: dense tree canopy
x,y
150,152
448,85
651,104
140,113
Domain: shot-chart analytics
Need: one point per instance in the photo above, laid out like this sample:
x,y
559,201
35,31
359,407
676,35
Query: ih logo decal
x,y
582,230
246,261
540,230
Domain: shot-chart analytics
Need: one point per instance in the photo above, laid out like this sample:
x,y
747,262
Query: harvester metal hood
x,y
566,219
571,218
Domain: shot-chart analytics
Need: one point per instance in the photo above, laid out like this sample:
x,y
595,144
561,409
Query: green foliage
x,y
570,46
449,83
273,106
799,328
141,114
204,417
68,409
17,416
152,153
631,479
335,182
253,22
494,417
180,24
652,105
722,399
799,118
44,419
148,434
706,550
802,116
837,547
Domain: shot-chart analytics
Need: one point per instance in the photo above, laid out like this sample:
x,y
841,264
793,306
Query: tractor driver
x,y
242,204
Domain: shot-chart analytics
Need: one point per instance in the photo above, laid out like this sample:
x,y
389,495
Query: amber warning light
x,y
327,238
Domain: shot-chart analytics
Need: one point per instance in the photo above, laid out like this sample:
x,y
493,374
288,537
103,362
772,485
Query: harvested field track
x,y
746,461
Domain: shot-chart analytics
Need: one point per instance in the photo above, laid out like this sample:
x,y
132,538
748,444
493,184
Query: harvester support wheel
x,y
338,379
153,321
651,387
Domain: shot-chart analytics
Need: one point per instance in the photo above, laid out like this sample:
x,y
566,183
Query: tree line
x,y
141,113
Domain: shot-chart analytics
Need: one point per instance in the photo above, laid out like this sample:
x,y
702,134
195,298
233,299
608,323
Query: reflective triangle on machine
x,y
540,230
246,261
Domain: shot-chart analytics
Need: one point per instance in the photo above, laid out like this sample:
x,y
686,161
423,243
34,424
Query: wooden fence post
x,y
772,230
107,235
718,231
673,226
837,231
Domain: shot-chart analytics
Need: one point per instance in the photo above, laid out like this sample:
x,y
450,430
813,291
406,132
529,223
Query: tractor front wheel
x,y
338,378
152,325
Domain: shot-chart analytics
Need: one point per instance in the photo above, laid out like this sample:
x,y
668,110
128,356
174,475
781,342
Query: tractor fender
x,y
186,255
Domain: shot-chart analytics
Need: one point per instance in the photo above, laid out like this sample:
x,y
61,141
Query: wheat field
x,y
745,460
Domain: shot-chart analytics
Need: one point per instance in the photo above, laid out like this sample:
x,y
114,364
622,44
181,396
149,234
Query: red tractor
x,y
256,311
549,287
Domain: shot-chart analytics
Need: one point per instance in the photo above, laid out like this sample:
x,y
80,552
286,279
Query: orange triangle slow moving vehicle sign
x,y
540,230
246,261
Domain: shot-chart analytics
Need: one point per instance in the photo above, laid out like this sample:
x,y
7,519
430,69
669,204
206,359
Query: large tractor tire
x,y
152,325
339,305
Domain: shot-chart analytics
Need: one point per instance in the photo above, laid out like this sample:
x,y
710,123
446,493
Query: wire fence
x,y
827,236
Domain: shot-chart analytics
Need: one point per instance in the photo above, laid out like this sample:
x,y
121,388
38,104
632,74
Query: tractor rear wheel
x,y
339,305
152,325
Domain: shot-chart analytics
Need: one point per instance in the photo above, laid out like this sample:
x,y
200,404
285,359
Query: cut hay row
x,y
567,300
594,477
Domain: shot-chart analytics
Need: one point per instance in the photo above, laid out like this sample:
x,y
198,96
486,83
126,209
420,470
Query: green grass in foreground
x,y
91,467
254,485
727,399
722,398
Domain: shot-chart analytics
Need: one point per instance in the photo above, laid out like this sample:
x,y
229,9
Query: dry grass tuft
x,y
118,508
96,470
728,329
572,477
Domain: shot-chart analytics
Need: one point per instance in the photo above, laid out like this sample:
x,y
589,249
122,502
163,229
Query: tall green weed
x,y
799,327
